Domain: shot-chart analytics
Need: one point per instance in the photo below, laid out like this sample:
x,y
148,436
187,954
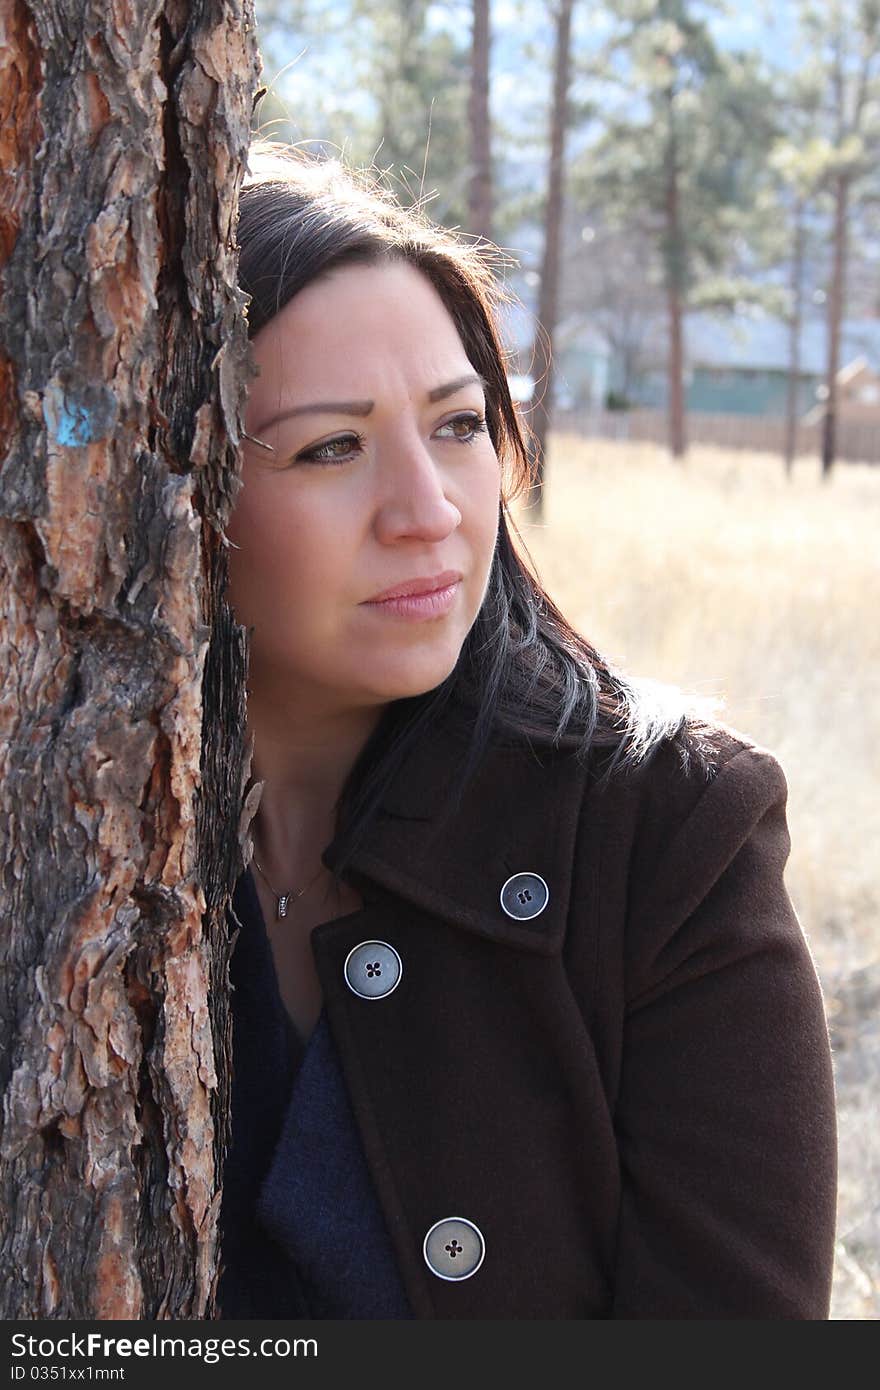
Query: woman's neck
x,y
304,763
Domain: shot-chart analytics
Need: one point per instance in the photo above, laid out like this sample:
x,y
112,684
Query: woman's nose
x,y
414,502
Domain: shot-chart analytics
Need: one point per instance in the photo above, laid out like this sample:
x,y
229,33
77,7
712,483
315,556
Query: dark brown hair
x,y
523,669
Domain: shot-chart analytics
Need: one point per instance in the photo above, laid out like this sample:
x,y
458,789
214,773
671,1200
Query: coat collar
x,y
519,813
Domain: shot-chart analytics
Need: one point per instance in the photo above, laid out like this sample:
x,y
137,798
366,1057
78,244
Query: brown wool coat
x,y
630,1094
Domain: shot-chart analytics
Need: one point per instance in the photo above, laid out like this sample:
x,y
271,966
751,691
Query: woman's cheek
x,y
490,510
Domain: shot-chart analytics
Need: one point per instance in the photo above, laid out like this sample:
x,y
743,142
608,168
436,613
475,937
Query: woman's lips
x,y
432,605
424,584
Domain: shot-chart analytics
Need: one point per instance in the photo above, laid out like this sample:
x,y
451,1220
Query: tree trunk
x,y
836,306
675,267
123,362
480,187
677,440
794,337
548,294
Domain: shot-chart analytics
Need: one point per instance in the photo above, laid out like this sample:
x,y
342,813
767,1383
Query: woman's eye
x,y
471,426
332,450
464,428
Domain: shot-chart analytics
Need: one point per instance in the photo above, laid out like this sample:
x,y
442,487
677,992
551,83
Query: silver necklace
x,y
285,900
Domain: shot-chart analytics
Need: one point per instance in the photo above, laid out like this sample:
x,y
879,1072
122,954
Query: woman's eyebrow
x,y
438,393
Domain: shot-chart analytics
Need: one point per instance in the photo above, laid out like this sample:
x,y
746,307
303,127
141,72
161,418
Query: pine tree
x,y
123,361
480,186
684,132
548,293
844,40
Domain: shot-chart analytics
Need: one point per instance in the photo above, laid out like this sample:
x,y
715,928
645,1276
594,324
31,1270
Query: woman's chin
x,y
417,678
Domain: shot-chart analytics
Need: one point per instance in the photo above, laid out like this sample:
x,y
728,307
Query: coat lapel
x,y
453,862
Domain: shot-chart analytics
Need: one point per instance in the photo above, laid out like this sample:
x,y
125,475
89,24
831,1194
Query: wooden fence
x,y
857,441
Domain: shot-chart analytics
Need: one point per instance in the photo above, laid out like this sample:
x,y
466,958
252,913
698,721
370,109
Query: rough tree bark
x,y
548,295
123,366
480,187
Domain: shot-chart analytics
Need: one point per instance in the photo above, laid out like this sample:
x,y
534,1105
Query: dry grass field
x,y
722,577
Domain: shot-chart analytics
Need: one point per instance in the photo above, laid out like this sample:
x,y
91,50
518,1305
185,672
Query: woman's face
x,y
382,473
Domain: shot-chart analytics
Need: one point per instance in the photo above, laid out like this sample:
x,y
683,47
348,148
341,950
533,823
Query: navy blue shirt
x,y
303,1235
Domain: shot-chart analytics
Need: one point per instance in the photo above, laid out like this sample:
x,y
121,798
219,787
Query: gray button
x,y
454,1248
372,969
524,896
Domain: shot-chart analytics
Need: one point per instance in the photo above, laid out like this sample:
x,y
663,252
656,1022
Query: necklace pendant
x,y
282,904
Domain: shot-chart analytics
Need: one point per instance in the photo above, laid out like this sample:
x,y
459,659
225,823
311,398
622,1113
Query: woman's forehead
x,y
347,328
371,288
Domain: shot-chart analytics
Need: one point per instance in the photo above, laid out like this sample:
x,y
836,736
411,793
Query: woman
x,y
525,1025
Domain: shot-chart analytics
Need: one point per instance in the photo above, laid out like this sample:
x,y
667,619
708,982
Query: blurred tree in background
x,y
678,157
480,124
844,43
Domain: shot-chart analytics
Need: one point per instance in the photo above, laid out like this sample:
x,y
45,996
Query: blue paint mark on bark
x,y
76,419
74,426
